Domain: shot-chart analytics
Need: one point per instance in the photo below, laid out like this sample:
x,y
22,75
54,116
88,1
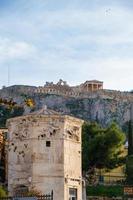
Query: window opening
x,y
48,143
72,194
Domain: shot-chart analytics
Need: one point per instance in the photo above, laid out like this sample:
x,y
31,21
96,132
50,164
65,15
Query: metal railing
x,y
42,197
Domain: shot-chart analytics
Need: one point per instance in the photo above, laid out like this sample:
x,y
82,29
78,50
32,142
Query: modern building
x,y
45,154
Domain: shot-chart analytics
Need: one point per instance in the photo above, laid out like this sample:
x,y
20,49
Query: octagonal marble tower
x,y
45,154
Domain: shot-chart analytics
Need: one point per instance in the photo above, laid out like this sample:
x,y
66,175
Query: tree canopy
x,y
101,147
7,112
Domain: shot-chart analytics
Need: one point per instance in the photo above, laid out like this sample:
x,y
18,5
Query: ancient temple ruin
x,y
45,153
62,88
91,86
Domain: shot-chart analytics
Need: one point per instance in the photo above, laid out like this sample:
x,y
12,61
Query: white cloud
x,y
116,73
11,50
75,44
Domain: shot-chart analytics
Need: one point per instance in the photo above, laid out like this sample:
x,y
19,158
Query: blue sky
x,y
76,40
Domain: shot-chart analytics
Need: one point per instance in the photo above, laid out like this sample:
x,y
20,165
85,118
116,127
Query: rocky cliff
x,y
103,106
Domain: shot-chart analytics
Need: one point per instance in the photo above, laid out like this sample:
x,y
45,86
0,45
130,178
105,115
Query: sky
x,y
76,40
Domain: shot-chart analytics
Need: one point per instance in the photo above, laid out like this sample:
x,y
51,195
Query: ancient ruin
x,y
45,153
62,88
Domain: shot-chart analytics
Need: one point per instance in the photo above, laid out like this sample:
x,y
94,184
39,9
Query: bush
x,y
2,192
108,191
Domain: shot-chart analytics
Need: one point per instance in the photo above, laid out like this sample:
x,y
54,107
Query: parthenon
x,y
92,85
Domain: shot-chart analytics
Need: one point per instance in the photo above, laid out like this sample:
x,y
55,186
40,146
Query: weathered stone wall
x,y
30,162
45,153
72,157
65,90
19,153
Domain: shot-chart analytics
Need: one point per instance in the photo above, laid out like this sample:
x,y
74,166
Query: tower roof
x,y
45,111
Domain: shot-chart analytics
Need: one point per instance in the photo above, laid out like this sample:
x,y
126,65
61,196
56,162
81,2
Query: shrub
x,y
2,192
101,190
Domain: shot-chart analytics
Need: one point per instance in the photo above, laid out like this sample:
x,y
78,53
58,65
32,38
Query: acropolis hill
x,y
89,100
91,89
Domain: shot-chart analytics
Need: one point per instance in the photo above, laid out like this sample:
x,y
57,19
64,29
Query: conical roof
x,y
45,111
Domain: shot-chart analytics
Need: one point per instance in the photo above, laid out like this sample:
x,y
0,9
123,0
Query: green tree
x,y
101,148
7,112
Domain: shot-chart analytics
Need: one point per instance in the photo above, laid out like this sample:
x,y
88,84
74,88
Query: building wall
x,y
48,163
19,153
72,158
43,156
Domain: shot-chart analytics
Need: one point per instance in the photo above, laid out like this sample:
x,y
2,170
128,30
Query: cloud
x,y
11,50
73,40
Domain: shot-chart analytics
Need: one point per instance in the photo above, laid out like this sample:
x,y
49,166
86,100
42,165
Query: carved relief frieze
x,y
48,131
72,132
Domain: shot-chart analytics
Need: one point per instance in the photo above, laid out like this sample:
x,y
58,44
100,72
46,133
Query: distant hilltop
x,y
88,89
88,101
62,88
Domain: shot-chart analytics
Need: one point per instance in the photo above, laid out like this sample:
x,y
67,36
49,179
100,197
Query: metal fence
x,y
42,197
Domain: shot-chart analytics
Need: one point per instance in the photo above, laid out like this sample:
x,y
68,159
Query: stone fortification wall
x,y
15,90
63,89
76,92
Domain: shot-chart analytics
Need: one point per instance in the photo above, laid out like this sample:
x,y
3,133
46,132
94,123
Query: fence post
x,y
52,195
